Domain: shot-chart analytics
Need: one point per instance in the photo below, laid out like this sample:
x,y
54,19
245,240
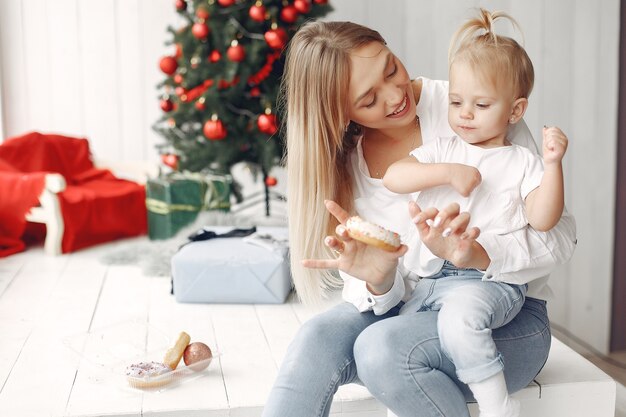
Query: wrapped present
x,y
173,202
218,192
252,269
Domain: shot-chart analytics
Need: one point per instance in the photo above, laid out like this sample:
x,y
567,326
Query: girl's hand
x,y
375,266
446,234
464,178
554,145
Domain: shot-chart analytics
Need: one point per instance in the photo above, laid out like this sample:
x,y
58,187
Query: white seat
x,y
49,213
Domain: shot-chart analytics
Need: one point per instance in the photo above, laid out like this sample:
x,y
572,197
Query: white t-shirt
x,y
518,257
508,174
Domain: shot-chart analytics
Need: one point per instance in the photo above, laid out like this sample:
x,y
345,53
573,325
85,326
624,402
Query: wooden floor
x,y
45,302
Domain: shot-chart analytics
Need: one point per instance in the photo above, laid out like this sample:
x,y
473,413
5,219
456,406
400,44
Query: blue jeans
x,y
399,359
469,309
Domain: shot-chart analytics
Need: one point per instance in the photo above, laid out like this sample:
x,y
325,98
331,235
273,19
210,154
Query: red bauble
x,y
267,123
200,105
178,78
180,91
168,65
302,6
236,53
202,13
226,3
179,51
166,105
215,56
255,92
257,12
181,5
320,1
270,181
200,30
276,38
170,159
289,14
214,129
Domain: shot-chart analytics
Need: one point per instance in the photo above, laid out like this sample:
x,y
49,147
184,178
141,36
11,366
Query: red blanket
x,y
96,206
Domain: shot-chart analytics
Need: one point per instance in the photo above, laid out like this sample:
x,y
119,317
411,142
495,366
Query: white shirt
x,y
522,256
508,175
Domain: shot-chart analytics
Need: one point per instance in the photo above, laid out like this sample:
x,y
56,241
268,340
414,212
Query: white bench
x,y
253,340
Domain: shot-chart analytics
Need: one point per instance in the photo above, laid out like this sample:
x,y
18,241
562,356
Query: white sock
x,y
493,398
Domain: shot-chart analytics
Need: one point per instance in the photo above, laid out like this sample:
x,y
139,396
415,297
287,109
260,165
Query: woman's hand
x,y
375,266
445,233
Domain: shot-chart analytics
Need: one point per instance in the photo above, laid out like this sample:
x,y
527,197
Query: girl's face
x,y
380,89
478,111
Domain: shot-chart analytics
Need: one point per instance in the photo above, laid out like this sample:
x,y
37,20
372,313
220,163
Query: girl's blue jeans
x,y
399,359
469,309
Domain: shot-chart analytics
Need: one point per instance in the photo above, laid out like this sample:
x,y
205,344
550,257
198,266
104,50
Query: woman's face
x,y
380,93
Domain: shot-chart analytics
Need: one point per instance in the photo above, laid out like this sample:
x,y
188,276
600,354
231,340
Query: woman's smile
x,y
401,110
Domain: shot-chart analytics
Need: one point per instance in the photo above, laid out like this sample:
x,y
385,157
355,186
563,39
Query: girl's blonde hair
x,y
314,99
498,58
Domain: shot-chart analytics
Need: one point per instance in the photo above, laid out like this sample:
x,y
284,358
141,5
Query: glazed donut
x,y
173,354
372,234
148,374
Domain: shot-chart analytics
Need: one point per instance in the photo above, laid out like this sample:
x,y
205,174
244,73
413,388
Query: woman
x,y
351,112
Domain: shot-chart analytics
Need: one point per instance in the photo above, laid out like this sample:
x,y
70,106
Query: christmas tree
x,y
219,96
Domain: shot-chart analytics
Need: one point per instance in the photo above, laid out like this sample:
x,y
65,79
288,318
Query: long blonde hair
x,y
497,57
314,96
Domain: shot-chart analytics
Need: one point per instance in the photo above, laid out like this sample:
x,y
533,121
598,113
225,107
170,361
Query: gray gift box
x,y
253,269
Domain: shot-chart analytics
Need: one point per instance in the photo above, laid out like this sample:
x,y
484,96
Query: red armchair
x,y
51,179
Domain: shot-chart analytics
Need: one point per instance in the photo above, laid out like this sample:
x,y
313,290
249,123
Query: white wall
x,y
90,68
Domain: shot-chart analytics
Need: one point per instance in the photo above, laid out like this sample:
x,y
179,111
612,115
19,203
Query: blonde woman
x,y
352,110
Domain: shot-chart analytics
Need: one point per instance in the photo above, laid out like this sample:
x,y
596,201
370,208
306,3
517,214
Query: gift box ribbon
x,y
161,207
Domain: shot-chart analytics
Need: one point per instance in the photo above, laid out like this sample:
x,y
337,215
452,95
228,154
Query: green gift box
x,y
173,202
217,196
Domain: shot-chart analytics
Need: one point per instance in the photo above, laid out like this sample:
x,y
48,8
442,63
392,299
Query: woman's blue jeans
x,y
399,359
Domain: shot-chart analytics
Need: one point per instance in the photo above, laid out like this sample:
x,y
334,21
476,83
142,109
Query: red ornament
x,y
200,105
215,56
226,3
267,123
179,51
167,105
257,12
200,30
302,6
214,129
235,52
180,91
289,14
181,5
178,78
170,159
320,1
168,65
255,92
270,181
276,38
202,13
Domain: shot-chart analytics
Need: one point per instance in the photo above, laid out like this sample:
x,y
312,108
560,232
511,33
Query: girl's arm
x,y
408,175
544,205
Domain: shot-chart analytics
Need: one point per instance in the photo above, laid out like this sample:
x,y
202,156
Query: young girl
x,y
504,185
351,112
